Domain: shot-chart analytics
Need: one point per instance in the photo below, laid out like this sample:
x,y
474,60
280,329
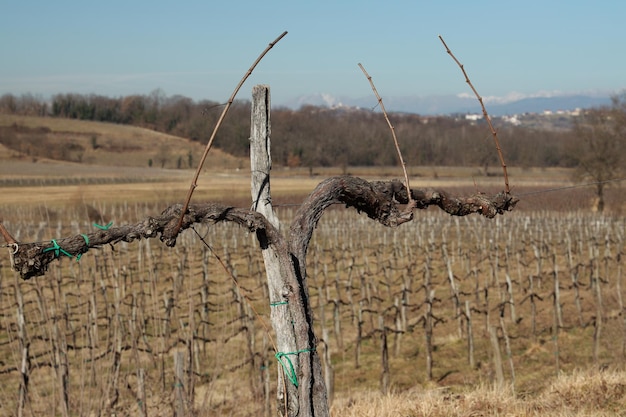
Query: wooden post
x,y
329,370
359,336
301,390
507,347
384,354
497,357
533,307
260,166
59,342
453,290
428,318
597,328
399,329
618,280
557,294
509,287
118,337
470,336
24,344
337,323
179,383
141,392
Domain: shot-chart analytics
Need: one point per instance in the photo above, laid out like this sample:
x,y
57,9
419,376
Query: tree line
x,y
316,136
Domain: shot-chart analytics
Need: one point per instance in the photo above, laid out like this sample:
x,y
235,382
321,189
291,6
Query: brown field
x,y
141,300
113,331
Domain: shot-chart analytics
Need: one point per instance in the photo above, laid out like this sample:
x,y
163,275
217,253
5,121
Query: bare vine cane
x,y
480,100
11,242
194,182
412,204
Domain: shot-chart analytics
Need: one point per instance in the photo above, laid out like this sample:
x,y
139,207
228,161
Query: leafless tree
x,y
599,146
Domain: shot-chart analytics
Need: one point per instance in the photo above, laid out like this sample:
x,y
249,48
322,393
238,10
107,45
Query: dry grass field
x,y
520,315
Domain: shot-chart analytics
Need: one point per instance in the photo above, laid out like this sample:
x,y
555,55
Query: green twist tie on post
x,y
290,372
105,227
278,303
58,251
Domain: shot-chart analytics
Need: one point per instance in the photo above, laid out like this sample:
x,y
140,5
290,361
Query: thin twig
x,y
393,133
6,235
11,242
194,182
243,295
480,100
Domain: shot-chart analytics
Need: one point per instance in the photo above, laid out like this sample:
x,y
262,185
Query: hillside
x,y
38,139
357,136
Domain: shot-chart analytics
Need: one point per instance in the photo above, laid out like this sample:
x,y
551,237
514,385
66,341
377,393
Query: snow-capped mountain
x,y
462,103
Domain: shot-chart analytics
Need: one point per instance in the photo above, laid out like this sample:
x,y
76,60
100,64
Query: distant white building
x,y
512,120
473,117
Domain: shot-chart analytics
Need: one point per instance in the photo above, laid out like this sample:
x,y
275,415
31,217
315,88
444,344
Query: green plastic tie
x,y
86,238
290,371
105,227
58,251
279,303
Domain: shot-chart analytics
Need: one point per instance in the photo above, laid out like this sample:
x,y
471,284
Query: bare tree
x,y
600,146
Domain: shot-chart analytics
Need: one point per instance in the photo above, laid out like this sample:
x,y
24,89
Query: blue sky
x,y
201,49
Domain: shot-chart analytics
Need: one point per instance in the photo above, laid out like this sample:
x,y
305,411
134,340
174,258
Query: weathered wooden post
x,y
24,344
301,390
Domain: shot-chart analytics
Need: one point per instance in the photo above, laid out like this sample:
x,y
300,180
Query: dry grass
x,y
582,393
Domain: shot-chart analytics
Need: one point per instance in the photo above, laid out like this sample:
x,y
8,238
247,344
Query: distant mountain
x,y
449,104
540,104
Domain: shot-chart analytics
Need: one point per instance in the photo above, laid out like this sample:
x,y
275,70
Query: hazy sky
x,y
201,49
